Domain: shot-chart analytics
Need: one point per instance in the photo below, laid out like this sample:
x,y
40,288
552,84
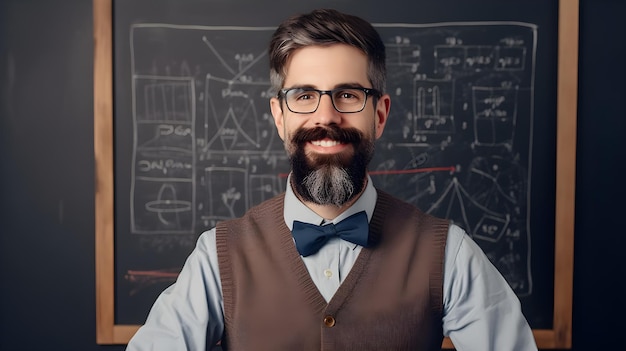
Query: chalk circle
x,y
168,206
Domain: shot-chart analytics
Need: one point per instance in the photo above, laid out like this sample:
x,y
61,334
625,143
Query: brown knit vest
x,y
391,300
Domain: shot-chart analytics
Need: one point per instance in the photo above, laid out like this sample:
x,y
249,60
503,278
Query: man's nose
x,y
326,113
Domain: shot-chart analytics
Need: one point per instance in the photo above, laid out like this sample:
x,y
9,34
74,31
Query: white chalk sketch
x,y
458,142
163,176
227,187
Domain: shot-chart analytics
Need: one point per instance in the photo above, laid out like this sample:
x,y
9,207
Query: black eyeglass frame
x,y
368,91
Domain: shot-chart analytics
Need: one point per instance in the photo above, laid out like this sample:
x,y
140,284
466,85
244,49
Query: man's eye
x,y
346,95
305,96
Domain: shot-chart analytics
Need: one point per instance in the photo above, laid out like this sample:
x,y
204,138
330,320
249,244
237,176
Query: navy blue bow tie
x,y
310,237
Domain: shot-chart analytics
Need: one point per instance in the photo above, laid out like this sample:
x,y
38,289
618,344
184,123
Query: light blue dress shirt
x,y
480,312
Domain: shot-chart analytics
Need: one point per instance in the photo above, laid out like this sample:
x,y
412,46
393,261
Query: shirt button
x,y
328,273
329,321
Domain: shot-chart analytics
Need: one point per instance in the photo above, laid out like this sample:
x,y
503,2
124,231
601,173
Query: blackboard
x,y
472,135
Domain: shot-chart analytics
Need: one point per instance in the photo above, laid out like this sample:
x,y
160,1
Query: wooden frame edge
x,y
107,332
567,106
103,153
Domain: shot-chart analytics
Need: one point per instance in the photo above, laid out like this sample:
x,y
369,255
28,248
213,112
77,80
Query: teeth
x,y
325,143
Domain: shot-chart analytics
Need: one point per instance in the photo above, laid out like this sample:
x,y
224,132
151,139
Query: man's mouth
x,y
325,143
327,137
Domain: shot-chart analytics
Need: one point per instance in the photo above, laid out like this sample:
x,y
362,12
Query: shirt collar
x,y
295,210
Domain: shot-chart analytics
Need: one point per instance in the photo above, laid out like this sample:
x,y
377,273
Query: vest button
x,y
329,321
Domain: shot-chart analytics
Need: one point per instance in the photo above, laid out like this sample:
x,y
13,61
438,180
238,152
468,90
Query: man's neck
x,y
328,212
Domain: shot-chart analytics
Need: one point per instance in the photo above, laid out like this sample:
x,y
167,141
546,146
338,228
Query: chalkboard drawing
x,y
508,55
402,53
453,204
511,57
163,173
232,108
433,120
263,187
458,205
495,113
144,279
227,189
167,206
458,93
499,185
241,151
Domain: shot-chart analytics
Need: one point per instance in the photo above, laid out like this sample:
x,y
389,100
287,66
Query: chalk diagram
x,y
163,181
458,142
460,131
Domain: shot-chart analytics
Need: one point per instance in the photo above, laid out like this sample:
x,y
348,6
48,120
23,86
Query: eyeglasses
x,y
345,100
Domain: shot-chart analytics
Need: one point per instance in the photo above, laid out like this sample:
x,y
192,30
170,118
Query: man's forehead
x,y
327,67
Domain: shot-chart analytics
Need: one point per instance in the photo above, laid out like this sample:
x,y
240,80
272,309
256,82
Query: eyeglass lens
x,y
301,100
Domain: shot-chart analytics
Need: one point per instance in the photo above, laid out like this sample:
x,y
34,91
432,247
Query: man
x,y
396,279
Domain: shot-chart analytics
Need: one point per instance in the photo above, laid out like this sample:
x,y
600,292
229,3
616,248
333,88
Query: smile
x,y
325,143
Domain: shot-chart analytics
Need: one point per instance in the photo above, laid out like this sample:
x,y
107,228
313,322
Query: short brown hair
x,y
326,27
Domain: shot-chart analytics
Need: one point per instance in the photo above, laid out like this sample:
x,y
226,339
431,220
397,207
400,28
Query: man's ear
x,y
277,113
382,113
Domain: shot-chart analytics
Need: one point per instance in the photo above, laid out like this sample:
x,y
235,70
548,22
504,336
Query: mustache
x,y
343,135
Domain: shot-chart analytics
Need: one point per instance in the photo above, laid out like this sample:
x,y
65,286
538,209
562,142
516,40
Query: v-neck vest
x,y
392,298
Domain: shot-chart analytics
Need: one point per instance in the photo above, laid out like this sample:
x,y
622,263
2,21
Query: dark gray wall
x,y
47,288
47,298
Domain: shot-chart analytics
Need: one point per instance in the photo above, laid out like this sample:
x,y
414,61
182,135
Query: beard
x,y
330,179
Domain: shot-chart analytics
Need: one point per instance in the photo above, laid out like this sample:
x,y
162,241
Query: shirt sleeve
x,y
188,315
481,311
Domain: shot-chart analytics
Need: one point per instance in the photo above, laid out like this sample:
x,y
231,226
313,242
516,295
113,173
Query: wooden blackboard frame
x,y
560,336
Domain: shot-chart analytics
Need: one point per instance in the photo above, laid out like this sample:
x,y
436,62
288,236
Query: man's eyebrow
x,y
349,85
337,86
301,86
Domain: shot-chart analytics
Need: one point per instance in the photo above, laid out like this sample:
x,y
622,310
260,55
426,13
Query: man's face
x,y
329,150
